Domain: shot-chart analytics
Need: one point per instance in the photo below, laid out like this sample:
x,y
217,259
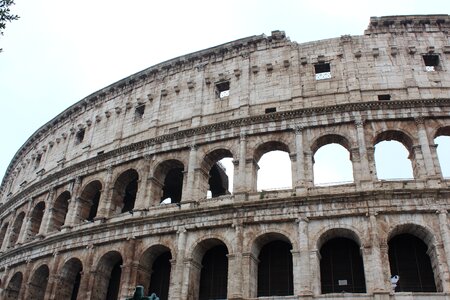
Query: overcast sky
x,y
59,52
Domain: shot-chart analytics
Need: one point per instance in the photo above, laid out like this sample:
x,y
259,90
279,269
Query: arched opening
x,y
107,277
38,283
273,169
35,220
214,274
219,165
442,140
154,271
14,286
275,272
3,234
408,258
393,153
15,230
125,190
69,280
90,198
332,165
59,211
341,267
168,185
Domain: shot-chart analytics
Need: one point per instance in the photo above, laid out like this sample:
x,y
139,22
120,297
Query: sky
x,y
59,52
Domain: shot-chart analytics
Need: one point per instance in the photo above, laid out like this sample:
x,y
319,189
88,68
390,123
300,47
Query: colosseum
x,y
126,187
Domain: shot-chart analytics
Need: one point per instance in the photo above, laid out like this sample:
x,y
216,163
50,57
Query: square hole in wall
x,y
79,136
270,110
322,70
384,97
431,62
139,112
222,89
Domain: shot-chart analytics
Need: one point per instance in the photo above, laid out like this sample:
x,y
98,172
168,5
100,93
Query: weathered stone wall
x,y
275,102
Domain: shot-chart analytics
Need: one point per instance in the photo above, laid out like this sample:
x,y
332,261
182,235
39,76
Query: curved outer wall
x,y
170,116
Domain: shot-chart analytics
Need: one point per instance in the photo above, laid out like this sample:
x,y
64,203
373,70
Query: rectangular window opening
x,y
37,162
384,97
139,112
79,137
323,71
270,110
431,62
223,89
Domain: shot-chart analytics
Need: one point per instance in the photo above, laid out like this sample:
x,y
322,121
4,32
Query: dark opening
x,y
160,277
139,112
431,61
76,286
13,288
79,136
270,110
275,270
37,161
94,207
408,258
341,267
3,234
130,196
14,235
114,282
36,219
322,70
60,210
173,185
218,180
384,97
214,274
223,89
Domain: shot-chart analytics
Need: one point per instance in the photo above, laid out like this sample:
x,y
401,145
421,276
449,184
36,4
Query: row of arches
x,y
167,182
341,265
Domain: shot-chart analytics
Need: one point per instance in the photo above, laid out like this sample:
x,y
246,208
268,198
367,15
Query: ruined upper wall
x,y
264,73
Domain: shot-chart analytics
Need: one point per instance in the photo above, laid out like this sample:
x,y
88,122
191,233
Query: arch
x,y
59,211
330,138
389,151
168,181
14,286
211,281
341,264
38,283
90,198
330,233
154,271
35,220
395,135
273,168
15,230
442,141
125,190
412,255
107,277
3,230
274,268
218,181
69,279
269,146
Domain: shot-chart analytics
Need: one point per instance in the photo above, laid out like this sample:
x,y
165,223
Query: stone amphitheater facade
x,y
80,209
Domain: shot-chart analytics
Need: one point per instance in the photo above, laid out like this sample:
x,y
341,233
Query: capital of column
x,y
147,157
359,123
298,129
193,147
109,170
242,136
419,120
442,212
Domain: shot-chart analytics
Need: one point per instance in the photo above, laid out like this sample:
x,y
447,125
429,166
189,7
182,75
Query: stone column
x,y
372,165
239,179
418,163
235,276
366,175
176,283
430,167
142,198
309,167
126,284
154,187
25,284
5,244
54,278
104,206
373,270
250,275
48,214
188,188
445,233
299,176
73,209
355,158
434,156
302,270
89,272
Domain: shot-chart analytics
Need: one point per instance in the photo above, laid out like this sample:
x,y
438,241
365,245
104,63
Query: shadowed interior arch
x,y
90,198
69,280
125,190
108,275
170,174
59,211
15,230
13,289
38,283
